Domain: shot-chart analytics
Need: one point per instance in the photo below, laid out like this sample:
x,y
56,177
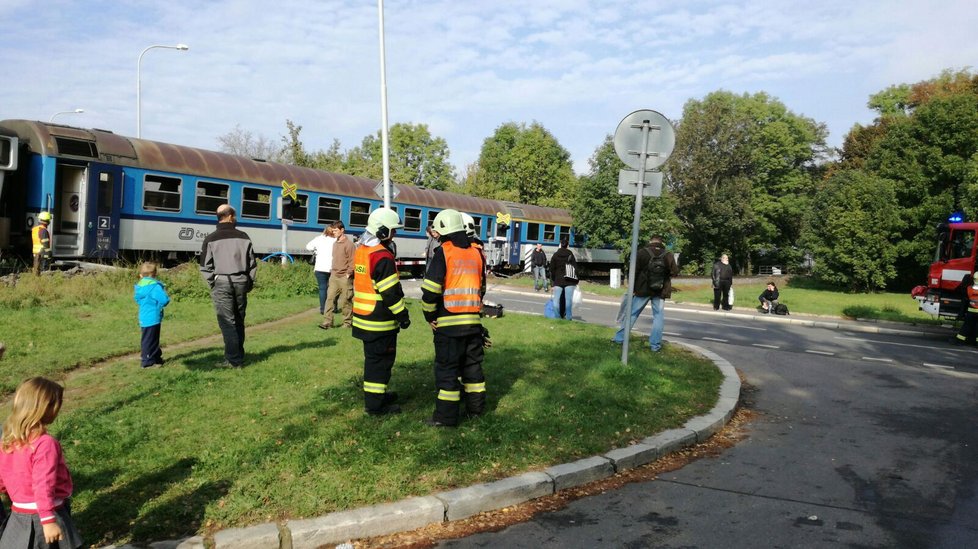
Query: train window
x,y
300,208
329,210
478,225
359,212
563,232
161,194
105,193
533,231
431,218
210,196
548,233
256,203
579,239
412,219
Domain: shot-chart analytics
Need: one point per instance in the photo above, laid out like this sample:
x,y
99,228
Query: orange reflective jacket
x,y
42,242
369,312
463,279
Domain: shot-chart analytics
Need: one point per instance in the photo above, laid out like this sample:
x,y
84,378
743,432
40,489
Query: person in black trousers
x,y
722,281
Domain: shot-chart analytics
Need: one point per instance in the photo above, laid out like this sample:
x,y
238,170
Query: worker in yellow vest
x,y
451,298
378,309
41,240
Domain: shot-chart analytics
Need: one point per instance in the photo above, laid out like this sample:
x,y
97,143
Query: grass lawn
x,y
190,448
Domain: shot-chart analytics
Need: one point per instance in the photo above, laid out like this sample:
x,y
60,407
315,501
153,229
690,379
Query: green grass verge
x,y
190,448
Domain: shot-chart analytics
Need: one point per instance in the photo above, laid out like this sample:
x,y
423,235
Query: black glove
x,y
486,340
405,323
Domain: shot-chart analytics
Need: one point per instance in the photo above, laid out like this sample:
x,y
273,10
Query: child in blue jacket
x,y
151,296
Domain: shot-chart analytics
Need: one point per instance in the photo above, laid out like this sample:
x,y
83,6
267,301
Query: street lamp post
x,y
139,62
76,111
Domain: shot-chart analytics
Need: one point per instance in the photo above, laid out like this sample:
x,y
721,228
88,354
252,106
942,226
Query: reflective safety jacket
x,y
378,300
451,293
41,238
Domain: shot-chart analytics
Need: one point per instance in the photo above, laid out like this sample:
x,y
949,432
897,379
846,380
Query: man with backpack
x,y
654,269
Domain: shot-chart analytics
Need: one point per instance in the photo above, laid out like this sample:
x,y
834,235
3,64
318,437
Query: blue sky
x,y
463,67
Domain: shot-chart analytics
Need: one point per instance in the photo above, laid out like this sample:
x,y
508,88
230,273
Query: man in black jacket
x,y
654,269
563,272
538,259
228,265
722,281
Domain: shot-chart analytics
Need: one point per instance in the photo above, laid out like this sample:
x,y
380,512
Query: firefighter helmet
x,y
469,222
449,222
381,219
44,217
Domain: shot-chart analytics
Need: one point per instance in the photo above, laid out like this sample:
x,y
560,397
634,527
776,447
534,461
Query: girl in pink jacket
x,y
33,471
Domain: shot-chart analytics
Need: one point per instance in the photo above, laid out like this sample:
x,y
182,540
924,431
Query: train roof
x,y
57,140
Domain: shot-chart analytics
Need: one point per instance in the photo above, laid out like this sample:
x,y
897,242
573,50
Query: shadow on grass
x,y
213,358
122,508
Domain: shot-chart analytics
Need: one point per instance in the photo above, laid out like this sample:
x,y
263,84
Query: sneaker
x,y
384,410
435,423
324,326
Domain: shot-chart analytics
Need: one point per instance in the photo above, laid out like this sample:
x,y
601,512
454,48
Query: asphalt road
x,y
860,440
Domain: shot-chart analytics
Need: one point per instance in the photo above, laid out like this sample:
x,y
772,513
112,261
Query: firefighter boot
x,y
377,404
475,403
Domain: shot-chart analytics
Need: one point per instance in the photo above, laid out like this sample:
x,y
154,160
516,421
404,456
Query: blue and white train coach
x,y
113,196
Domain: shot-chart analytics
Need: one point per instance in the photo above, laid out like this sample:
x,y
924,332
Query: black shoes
x,y
385,410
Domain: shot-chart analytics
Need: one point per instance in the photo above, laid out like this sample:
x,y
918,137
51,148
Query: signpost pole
x,y
633,259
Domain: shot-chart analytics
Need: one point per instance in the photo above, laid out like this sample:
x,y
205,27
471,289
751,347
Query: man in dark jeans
x,y
538,259
722,281
228,265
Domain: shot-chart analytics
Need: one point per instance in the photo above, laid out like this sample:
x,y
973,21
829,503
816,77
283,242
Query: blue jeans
x,y
540,278
658,320
564,301
322,278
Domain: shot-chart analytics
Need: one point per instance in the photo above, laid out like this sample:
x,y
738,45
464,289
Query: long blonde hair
x,y
36,405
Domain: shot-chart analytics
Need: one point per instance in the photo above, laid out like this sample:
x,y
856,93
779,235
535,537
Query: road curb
x,y
413,513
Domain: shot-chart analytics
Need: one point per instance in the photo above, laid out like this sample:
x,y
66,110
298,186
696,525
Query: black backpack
x,y
656,271
780,309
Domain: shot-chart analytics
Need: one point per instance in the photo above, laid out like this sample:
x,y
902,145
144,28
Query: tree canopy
x,y
743,171
523,164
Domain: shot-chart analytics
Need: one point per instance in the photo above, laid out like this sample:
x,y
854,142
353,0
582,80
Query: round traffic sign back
x,y
628,139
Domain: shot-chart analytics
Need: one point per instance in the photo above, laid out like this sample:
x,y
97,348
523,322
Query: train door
x,y
69,209
104,203
513,239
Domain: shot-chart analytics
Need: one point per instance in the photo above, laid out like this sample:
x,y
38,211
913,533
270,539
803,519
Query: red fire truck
x,y
944,295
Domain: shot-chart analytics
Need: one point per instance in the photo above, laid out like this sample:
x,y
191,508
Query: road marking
x,y
717,324
673,334
940,366
766,346
874,359
826,353
715,339
941,347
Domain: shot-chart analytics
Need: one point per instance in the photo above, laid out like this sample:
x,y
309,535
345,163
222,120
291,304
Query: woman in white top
x,y
322,247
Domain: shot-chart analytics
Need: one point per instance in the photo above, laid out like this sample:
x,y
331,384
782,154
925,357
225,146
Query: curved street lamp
x,y
76,111
139,62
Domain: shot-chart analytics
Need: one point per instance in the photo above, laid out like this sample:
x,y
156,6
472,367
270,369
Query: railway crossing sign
x,y
289,190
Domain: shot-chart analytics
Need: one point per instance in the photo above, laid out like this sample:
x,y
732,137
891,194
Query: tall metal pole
x,y
384,143
139,64
633,260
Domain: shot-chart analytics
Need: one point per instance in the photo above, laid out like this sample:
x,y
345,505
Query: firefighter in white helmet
x,y
41,241
378,309
451,298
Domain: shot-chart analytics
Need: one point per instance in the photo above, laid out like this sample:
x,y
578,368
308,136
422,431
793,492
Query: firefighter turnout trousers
x,y
969,329
378,360
458,374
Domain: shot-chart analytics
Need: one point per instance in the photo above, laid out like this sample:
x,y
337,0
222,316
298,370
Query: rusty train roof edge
x,y
166,157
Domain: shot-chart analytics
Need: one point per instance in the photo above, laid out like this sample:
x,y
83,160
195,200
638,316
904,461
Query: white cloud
x,y
463,68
